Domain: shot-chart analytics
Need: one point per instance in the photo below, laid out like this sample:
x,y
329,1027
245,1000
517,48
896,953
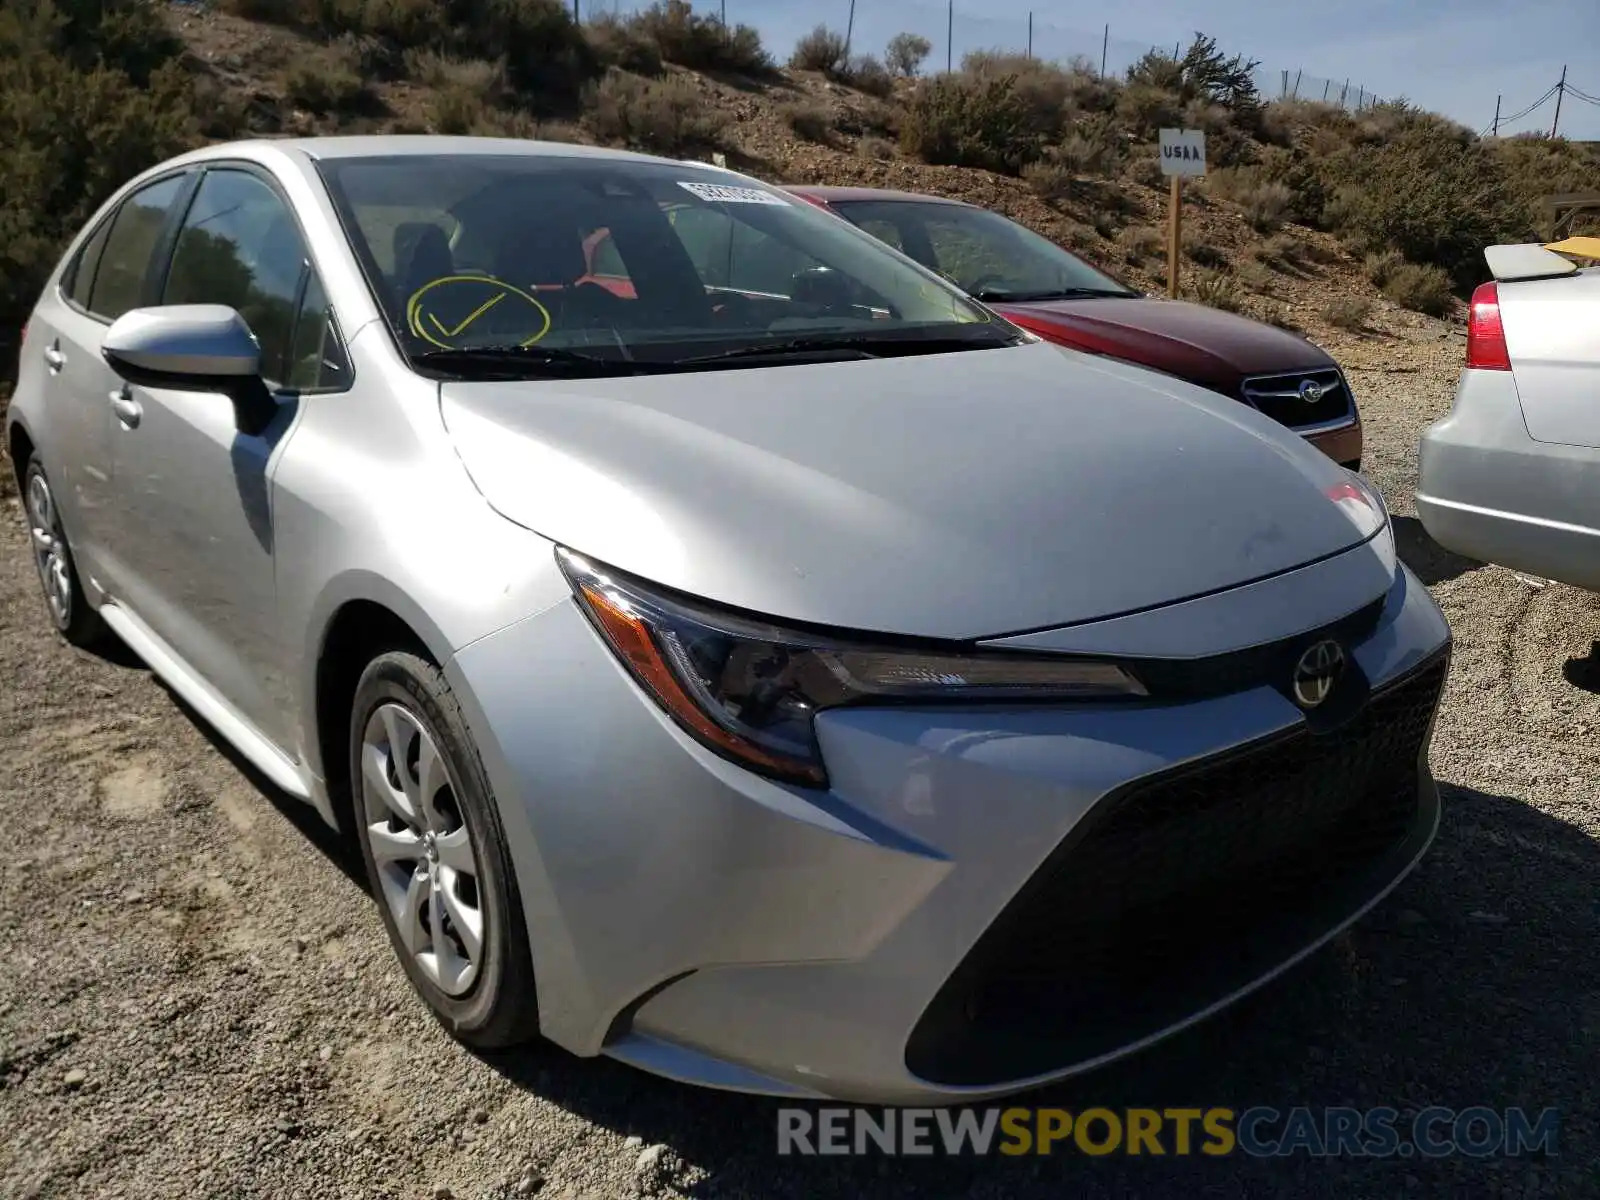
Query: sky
x,y
1451,56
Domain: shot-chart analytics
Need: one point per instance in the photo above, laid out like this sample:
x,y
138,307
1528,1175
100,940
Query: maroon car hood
x,y
1205,345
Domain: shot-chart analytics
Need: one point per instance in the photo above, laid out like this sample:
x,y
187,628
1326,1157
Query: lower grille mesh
x,y
1180,889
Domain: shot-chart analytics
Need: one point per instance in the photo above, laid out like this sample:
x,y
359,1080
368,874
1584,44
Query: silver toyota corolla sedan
x,y
805,682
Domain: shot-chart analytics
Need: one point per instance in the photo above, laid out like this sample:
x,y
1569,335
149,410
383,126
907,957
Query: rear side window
x,y
130,245
317,361
79,278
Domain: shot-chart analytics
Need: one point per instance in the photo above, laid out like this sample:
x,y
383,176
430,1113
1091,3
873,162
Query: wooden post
x,y
1560,91
1174,235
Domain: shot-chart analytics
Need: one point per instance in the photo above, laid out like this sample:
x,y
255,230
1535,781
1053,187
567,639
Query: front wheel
x,y
436,854
69,609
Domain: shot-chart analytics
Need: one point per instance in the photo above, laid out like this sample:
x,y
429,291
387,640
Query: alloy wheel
x,y
50,554
422,849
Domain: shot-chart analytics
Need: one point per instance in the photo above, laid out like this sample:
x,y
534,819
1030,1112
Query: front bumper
x,y
1343,445
1487,490
890,940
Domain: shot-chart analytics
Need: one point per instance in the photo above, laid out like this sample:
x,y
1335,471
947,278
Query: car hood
x,y
1199,343
952,496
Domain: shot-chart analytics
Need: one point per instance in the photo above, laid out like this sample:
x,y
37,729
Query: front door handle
x,y
128,409
54,359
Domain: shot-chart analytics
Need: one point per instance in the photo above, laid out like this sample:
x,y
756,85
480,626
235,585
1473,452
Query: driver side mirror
x,y
193,347
204,347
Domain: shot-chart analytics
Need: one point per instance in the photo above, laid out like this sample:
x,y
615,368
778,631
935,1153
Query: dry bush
x,y
1348,312
1258,278
1266,206
1276,314
1283,251
906,53
1049,178
325,83
1381,266
1146,109
1215,289
701,43
810,120
876,148
456,110
1139,242
663,116
487,80
1204,254
1421,288
820,50
1144,167
963,121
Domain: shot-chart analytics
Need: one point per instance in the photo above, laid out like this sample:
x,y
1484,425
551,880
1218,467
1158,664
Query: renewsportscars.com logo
x,y
1260,1132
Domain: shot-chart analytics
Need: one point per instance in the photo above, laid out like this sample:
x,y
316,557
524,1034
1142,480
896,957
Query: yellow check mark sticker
x,y
420,312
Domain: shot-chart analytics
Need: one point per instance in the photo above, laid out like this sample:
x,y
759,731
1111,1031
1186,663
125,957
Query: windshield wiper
x,y
1003,296
514,361
865,345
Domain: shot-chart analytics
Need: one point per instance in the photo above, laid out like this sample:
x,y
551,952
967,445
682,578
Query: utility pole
x,y
1105,41
1296,92
1030,33
950,37
1494,129
849,29
1560,89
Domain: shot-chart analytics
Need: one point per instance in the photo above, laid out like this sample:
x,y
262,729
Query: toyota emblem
x,y
1317,673
1311,391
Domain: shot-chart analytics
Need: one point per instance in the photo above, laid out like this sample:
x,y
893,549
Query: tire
x,y
443,811
64,597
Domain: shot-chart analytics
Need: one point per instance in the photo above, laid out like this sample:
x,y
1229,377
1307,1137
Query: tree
x,y
907,52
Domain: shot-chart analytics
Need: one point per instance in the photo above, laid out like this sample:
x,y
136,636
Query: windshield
x,y
547,262
985,254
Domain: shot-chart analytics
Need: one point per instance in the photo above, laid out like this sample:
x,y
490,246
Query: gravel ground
x,y
198,999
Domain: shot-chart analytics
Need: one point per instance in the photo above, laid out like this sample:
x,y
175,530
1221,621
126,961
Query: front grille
x,y
1179,889
1280,397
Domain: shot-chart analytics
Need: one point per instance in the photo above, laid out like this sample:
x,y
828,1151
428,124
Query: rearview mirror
x,y
203,346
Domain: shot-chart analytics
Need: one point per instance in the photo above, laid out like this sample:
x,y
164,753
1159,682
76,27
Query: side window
x,y
79,278
966,258
130,244
239,246
317,360
884,231
729,253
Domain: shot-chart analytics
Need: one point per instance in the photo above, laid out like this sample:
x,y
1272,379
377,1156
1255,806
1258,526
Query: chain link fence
x,y
955,31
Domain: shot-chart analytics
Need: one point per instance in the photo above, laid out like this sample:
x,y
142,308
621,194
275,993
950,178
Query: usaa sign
x,y
1183,152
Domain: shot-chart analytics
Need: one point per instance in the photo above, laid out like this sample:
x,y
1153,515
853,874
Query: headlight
x,y
749,690
1363,503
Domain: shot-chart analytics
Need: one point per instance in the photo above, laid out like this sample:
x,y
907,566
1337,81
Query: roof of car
x,y
867,193
384,145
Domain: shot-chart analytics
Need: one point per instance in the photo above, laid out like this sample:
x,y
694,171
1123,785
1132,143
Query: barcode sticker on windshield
x,y
719,193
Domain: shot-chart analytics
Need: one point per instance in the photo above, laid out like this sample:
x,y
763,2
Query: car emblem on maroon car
x,y
1317,673
1311,391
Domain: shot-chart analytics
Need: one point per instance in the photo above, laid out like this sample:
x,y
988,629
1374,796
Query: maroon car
x,y
1036,284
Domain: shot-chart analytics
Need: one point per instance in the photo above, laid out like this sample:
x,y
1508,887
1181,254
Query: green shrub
x,y
1266,206
1043,89
1215,289
663,116
1423,289
84,106
965,122
906,53
866,74
1258,278
456,110
618,42
820,50
1348,312
701,43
